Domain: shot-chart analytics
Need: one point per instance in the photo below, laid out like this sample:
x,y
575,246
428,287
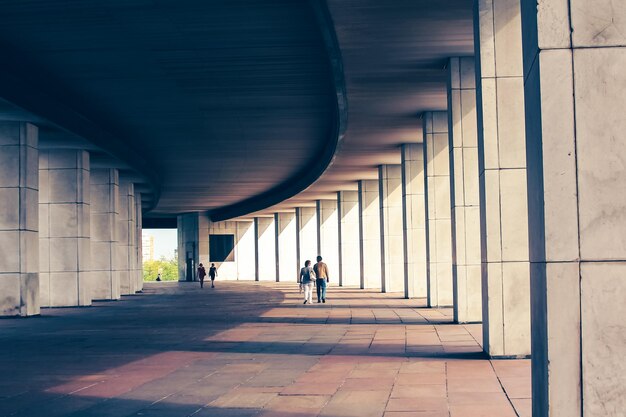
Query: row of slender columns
x,y
511,209
68,234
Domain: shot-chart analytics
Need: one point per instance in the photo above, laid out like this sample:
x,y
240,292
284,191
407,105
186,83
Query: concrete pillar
x,y
287,262
104,193
126,238
391,229
328,232
188,229
464,199
265,233
19,218
307,238
574,60
369,231
439,224
414,221
245,249
64,228
349,238
138,243
502,178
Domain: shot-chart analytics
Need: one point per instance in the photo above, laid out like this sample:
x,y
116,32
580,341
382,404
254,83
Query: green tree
x,y
167,267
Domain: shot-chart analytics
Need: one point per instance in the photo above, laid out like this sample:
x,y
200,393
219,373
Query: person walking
x,y
212,274
321,272
201,274
306,281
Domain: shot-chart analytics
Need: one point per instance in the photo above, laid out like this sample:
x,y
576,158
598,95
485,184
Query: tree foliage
x,y
167,267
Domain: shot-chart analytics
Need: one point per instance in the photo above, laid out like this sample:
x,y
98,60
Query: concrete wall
x,y
328,232
104,216
286,243
138,242
574,60
463,145
391,228
369,227
307,237
188,246
265,230
19,222
64,228
414,221
244,249
503,179
439,225
349,239
126,238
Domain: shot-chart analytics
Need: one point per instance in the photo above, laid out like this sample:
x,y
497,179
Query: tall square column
x,y
189,236
126,238
369,231
65,225
138,242
265,233
19,219
502,178
414,221
245,250
439,225
349,239
574,60
104,216
287,263
307,237
328,232
464,199
391,232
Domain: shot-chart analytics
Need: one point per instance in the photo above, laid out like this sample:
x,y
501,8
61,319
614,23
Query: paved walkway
x,y
246,349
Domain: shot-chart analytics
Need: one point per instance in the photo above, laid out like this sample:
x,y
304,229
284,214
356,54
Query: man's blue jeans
x,y
321,288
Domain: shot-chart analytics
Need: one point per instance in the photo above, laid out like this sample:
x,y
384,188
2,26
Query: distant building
x,y
148,247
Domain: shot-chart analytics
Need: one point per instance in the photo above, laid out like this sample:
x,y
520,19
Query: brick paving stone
x,y
253,350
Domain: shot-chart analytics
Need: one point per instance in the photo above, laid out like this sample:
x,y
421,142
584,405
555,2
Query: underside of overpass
x,y
461,154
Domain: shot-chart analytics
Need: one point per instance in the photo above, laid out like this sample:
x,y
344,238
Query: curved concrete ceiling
x,y
231,107
394,57
215,103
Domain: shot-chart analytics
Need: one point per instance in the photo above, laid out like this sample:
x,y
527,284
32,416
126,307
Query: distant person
x,y
158,277
321,271
212,274
306,281
201,274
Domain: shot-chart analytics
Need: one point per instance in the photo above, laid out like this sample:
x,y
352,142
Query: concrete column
x,y
126,238
188,228
265,248
104,193
328,232
574,60
19,219
245,249
391,229
138,243
414,221
286,244
307,239
439,224
349,238
64,228
464,199
502,178
369,231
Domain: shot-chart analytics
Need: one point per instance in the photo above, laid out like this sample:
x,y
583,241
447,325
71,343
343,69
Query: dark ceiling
x,y
221,100
231,106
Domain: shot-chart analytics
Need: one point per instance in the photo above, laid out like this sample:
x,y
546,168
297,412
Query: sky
x,y
165,241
